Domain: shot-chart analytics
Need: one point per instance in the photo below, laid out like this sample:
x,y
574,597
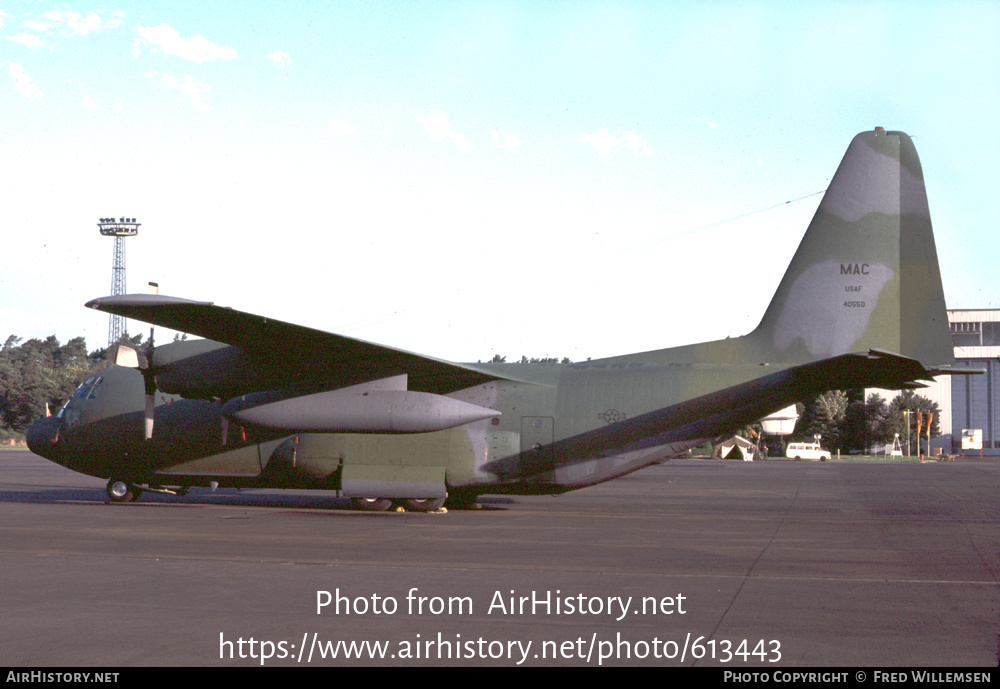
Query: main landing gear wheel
x,y
421,505
372,504
120,490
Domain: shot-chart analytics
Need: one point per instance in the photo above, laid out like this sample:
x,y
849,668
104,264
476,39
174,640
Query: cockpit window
x,y
89,388
70,417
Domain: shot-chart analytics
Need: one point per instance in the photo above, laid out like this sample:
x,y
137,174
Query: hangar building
x,y
975,334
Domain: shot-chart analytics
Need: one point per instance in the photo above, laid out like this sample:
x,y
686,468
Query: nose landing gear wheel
x,y
120,490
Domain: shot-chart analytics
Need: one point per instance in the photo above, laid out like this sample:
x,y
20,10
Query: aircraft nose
x,y
43,436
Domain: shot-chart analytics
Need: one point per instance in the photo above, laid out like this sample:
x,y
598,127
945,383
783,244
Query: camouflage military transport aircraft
x,y
264,403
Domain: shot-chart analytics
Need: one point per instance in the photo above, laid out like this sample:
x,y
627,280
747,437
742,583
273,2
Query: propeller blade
x,y
130,357
150,404
149,381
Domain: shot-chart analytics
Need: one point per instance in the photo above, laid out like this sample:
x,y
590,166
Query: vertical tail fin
x,y
866,274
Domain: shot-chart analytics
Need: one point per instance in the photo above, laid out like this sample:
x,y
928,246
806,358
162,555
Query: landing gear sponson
x,y
122,490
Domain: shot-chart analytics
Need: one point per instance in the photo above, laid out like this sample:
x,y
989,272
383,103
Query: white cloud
x,y
606,143
439,128
189,87
636,145
28,39
602,142
436,123
66,22
280,57
74,21
22,82
505,140
196,49
341,128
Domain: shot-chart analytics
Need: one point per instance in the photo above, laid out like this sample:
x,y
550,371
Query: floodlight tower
x,y
119,229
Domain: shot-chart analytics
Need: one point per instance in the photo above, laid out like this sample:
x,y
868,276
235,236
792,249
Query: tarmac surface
x,y
693,562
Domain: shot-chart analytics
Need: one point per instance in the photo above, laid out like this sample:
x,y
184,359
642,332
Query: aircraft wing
x,y
323,358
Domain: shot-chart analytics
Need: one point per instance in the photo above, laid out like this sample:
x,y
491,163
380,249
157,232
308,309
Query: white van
x,y
806,451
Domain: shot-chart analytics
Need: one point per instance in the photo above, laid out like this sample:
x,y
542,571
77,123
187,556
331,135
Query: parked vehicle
x,y
806,451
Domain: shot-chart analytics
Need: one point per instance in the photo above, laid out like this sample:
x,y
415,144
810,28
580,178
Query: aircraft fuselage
x,y
551,436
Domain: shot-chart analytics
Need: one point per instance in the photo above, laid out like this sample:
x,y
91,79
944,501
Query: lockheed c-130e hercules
x,y
262,403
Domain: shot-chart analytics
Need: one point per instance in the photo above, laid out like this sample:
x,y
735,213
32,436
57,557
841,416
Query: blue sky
x,y
470,178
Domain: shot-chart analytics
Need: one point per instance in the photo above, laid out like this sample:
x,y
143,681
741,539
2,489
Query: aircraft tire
x,y
371,504
120,490
422,504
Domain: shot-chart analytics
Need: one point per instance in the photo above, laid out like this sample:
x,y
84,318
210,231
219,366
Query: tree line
x,y
847,421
